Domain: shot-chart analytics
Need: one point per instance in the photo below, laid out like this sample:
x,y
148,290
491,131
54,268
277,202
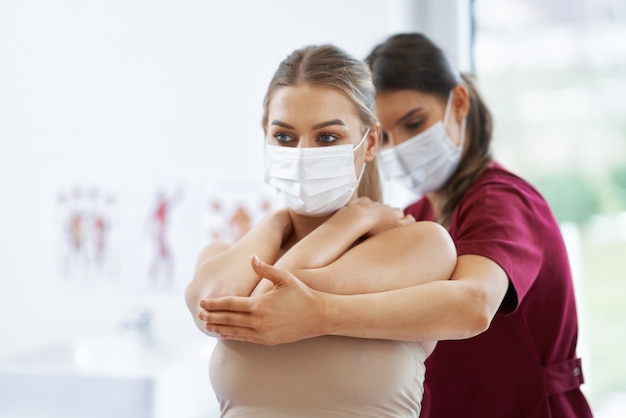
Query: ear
x,y
371,142
461,102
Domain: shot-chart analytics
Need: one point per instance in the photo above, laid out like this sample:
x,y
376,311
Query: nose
x,y
306,141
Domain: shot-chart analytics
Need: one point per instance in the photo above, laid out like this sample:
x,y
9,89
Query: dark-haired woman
x,y
513,292
506,321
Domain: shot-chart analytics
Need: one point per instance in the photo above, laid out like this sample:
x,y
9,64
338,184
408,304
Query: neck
x,y
436,201
303,225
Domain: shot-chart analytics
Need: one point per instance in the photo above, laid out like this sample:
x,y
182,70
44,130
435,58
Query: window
x,y
554,75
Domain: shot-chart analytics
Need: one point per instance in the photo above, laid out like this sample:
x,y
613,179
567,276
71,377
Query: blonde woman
x,y
321,138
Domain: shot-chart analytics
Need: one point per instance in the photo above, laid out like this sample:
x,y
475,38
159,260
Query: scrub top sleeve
x,y
499,220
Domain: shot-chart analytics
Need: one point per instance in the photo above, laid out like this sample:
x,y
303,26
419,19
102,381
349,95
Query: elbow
x,y
479,324
191,298
477,316
473,325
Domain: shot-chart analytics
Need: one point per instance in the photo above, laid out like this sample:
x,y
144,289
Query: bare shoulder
x,y
421,241
428,227
426,230
434,236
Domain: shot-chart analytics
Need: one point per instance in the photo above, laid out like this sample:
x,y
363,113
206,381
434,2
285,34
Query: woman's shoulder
x,y
501,194
498,173
497,179
433,233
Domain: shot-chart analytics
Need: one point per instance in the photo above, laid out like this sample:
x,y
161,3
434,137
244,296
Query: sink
x,y
109,377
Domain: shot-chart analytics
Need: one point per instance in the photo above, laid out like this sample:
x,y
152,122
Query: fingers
x,y
236,319
408,219
240,334
226,323
277,276
233,333
229,303
234,326
216,321
250,335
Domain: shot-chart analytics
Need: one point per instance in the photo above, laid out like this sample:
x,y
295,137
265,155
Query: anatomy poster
x,y
160,234
146,234
232,208
87,232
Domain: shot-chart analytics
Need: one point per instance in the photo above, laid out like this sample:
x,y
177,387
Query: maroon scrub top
x,y
525,364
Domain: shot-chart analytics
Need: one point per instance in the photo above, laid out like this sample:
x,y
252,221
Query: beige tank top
x,y
320,377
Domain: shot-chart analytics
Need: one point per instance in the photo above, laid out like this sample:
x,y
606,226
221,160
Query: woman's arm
x,y
405,256
475,291
224,269
398,253
397,259
446,309
359,219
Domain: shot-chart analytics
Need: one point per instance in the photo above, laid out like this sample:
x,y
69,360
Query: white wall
x,y
447,23
125,96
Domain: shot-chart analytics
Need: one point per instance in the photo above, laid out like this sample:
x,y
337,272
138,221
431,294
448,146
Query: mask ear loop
x,y
463,122
362,139
463,125
448,108
358,180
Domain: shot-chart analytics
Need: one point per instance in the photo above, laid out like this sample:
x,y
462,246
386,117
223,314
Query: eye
x,y
283,138
413,125
326,138
385,139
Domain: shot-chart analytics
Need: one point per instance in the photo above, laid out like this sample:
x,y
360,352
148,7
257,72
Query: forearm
x,y
327,242
401,257
459,308
226,271
411,314
264,240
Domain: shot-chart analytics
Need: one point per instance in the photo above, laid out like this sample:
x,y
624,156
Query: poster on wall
x,y
145,235
87,233
157,229
232,208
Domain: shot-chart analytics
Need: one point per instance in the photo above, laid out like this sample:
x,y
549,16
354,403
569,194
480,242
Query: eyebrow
x,y
317,126
409,114
281,124
329,123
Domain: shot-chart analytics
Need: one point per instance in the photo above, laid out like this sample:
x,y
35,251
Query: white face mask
x,y
425,162
314,181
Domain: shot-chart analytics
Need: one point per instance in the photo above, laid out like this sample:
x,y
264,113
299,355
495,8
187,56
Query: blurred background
x,y
130,137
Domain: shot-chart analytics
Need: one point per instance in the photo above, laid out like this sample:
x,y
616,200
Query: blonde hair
x,y
329,66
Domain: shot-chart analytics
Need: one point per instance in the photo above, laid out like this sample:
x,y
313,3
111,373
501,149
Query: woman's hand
x,y
222,269
378,216
289,312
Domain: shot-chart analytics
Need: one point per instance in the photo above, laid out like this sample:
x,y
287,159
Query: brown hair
x,y
412,61
329,66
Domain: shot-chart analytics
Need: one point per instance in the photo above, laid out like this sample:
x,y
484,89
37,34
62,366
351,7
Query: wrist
x,y
329,323
358,217
280,223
